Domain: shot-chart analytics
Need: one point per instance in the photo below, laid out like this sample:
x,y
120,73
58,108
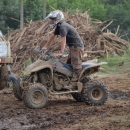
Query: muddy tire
x,y
3,76
95,93
35,96
77,96
17,90
11,81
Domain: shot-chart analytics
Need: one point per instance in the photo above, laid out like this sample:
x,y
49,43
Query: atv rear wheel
x,y
3,76
35,96
17,89
78,96
95,93
11,81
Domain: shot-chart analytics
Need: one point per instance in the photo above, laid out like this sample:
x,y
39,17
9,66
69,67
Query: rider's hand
x,y
61,54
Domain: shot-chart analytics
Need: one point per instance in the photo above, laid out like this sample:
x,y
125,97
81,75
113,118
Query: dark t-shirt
x,y
72,37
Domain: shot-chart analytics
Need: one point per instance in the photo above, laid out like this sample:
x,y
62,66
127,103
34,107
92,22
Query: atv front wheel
x,y
35,96
95,93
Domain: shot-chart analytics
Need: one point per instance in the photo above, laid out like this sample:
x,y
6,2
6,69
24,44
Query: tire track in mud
x,y
29,119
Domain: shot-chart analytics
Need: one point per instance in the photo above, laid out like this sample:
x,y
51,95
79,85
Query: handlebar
x,y
46,55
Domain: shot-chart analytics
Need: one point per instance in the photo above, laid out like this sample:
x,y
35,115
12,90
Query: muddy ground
x,y
64,113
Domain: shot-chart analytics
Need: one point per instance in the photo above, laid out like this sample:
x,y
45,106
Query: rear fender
x,y
91,69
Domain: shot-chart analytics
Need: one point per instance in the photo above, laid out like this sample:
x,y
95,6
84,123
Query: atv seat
x,y
87,64
84,65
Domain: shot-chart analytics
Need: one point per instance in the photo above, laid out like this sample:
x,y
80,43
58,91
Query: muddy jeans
x,y
75,59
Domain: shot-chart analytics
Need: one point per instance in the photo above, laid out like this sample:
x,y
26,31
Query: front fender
x,y
41,68
36,66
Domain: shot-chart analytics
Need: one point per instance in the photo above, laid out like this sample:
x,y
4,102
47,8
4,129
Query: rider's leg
x,y
76,61
69,58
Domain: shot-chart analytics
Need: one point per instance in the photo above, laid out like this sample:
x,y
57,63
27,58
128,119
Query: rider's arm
x,y
63,43
50,40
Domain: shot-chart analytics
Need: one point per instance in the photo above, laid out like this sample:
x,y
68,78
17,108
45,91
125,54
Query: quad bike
x,y
50,75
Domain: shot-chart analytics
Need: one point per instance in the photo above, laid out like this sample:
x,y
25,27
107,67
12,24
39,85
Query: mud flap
x,y
80,86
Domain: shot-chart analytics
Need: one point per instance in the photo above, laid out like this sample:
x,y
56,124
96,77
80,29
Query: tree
x,y
119,13
33,10
97,9
9,10
44,9
21,15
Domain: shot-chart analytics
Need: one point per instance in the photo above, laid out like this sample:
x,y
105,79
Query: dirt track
x,y
64,113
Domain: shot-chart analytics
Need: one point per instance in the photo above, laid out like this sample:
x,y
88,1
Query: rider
x,y
69,36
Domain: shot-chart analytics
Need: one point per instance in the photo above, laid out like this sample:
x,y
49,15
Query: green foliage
x,y
116,10
119,13
8,9
51,5
97,10
116,63
33,9
28,62
112,2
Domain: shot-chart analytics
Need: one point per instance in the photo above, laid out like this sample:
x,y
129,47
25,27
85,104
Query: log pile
x,y
97,43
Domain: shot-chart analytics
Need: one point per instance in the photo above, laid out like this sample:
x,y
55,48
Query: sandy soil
x,y
64,113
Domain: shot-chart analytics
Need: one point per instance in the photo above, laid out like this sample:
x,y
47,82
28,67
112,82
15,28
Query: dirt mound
x,y
97,43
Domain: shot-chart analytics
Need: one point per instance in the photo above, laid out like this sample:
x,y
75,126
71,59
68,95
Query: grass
x,y
28,62
116,63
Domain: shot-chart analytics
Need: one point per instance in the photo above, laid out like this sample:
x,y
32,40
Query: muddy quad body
x,y
50,75
5,61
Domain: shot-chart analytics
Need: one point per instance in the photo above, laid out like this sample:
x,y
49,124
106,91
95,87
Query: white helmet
x,y
58,15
